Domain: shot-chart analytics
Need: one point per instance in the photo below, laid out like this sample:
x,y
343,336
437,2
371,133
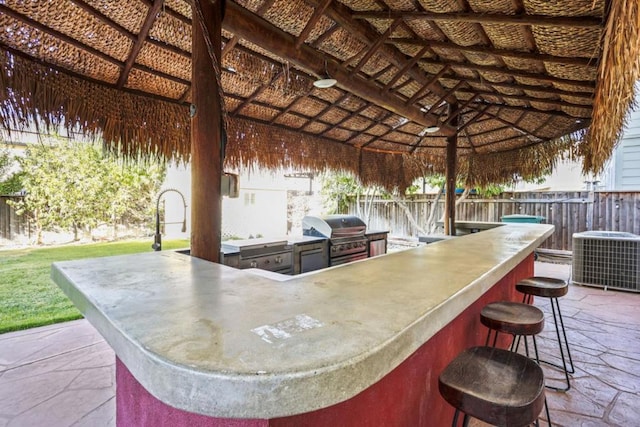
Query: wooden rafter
x,y
461,108
507,139
474,119
382,116
376,45
256,93
419,93
584,94
327,108
488,131
555,102
349,117
137,45
487,18
521,118
536,110
576,128
122,30
502,53
250,27
542,125
82,77
89,49
73,42
514,73
317,14
233,41
405,68
366,34
451,91
229,45
322,37
518,128
287,109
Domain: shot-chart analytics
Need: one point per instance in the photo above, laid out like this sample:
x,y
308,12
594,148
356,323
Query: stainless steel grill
x,y
346,234
265,254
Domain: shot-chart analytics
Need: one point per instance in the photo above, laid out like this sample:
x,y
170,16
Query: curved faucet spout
x,y
157,238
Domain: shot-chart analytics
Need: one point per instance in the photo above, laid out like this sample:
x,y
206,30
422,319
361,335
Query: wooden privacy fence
x,y
11,225
569,212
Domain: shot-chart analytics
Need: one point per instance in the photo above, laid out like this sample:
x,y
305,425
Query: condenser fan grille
x,y
606,259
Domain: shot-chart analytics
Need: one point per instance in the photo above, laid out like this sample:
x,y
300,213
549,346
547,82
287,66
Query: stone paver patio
x,y
63,375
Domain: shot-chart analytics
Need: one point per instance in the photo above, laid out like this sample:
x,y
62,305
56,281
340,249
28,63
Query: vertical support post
x,y
206,136
450,179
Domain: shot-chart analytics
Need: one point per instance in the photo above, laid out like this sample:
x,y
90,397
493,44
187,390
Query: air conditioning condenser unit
x,y
607,259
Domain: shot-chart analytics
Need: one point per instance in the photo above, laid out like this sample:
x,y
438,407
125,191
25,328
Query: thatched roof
x,y
519,81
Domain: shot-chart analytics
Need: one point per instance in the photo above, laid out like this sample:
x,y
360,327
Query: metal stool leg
x,y
455,418
563,343
555,305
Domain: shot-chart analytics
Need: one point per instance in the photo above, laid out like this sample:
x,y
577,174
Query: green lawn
x,y
28,296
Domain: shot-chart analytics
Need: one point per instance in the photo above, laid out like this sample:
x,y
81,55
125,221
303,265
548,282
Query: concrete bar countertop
x,y
223,342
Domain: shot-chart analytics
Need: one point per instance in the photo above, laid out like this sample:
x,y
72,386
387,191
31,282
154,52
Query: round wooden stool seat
x,y
547,287
494,385
552,288
514,318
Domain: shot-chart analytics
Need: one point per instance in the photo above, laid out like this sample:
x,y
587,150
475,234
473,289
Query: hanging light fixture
x,y
432,129
325,81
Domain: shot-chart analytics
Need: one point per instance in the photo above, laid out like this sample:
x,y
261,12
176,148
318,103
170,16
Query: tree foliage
x,y
9,182
336,190
74,186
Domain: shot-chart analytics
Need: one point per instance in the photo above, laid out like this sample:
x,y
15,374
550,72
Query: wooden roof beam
x,y
137,45
349,117
382,116
419,93
488,18
365,33
376,45
82,77
461,108
233,41
253,28
555,102
566,60
443,98
497,117
256,94
576,128
405,68
474,119
586,94
514,73
317,14
106,20
535,110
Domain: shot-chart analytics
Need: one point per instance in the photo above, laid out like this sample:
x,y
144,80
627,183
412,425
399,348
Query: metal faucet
x,y
157,238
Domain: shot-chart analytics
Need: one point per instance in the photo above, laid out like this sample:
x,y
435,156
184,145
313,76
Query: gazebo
x,y
389,90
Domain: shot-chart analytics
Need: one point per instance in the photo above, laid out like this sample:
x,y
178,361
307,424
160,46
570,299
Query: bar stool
x,y
493,385
514,318
552,288
518,319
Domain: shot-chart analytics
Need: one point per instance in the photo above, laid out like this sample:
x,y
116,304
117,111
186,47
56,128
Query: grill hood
x,y
333,226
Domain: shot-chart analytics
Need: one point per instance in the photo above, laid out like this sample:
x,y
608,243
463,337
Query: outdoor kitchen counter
x,y
223,342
